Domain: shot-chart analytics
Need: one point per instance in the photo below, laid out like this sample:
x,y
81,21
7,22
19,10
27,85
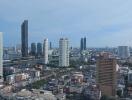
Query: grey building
x,y
85,44
50,45
123,52
33,49
24,38
39,49
81,44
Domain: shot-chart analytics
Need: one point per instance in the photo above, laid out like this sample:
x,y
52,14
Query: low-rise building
x,y
77,77
92,93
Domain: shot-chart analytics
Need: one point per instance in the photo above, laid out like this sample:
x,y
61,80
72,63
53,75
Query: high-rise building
x,y
45,51
39,49
123,51
85,47
106,76
33,49
81,44
1,55
24,38
63,52
50,45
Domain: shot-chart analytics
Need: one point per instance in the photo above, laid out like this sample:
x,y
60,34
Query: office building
x,y
1,55
63,52
33,49
85,47
83,44
24,38
50,45
46,51
106,76
39,49
123,52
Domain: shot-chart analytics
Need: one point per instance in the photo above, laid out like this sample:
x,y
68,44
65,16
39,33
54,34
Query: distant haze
x,y
103,22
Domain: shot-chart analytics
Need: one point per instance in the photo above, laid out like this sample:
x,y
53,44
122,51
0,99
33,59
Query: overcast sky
x,y
103,22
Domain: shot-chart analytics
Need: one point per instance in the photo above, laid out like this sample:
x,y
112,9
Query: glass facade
x,y
24,38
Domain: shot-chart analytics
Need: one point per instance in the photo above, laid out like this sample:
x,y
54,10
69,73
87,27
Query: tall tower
x,y
46,51
106,76
82,44
85,43
24,38
63,52
1,55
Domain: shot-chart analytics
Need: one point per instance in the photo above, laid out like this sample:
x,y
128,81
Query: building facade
x,y
50,45
24,38
123,52
85,47
33,49
39,49
63,52
83,44
106,76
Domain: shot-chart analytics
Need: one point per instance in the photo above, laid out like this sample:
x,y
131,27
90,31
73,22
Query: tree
x,y
119,93
104,97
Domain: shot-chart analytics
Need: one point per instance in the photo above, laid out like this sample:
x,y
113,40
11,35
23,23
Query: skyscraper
x,y
123,51
39,49
1,55
81,44
33,49
46,51
63,52
85,44
24,38
106,76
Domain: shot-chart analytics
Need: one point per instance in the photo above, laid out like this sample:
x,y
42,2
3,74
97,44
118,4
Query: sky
x,y
103,22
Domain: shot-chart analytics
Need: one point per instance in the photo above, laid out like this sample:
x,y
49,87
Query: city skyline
x,y
108,21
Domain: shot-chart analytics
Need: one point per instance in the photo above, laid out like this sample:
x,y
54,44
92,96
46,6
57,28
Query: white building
x,y
63,52
123,51
45,51
1,54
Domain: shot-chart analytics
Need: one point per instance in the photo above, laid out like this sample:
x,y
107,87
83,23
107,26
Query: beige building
x,y
106,76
